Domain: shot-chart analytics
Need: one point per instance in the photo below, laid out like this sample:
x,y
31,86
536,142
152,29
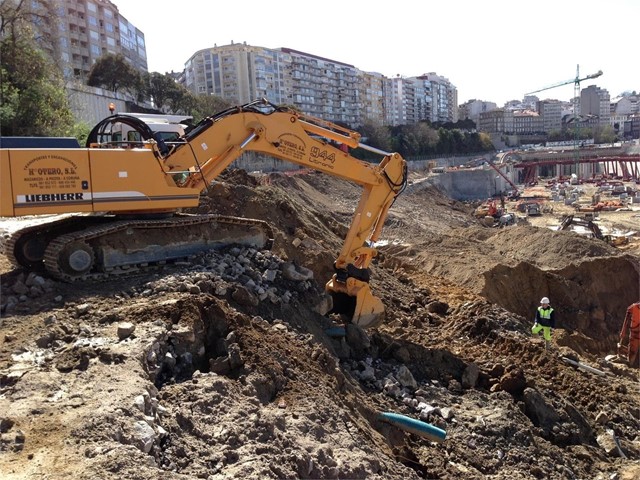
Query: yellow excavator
x,y
125,199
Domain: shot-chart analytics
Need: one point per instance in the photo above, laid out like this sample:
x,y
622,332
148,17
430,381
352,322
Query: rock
x,y
470,376
143,436
125,330
245,297
513,381
269,275
324,305
437,307
6,424
402,355
541,412
405,378
606,442
296,273
602,418
83,309
220,365
20,288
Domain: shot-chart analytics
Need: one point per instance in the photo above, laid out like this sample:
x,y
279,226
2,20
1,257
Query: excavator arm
x,y
310,142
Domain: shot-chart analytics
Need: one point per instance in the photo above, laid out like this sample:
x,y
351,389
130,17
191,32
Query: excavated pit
x,y
590,297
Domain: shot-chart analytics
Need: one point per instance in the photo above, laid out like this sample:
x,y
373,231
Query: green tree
x,y
32,96
605,134
376,135
207,105
161,88
114,72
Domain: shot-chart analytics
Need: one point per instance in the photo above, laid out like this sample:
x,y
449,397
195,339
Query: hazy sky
x,y
493,50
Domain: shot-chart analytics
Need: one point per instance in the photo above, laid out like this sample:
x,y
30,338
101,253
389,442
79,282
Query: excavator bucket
x,y
355,301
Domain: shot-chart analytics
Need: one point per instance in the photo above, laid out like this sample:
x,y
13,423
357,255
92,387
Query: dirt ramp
x,y
590,297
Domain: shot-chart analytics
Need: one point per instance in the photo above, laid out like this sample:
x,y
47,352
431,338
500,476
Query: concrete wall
x,y
468,184
91,104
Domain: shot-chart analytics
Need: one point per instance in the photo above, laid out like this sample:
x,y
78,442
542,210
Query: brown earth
x,y
218,382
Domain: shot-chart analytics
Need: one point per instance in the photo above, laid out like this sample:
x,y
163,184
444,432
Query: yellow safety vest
x,y
546,314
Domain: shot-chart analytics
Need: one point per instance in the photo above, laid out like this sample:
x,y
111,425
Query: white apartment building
x,y
444,96
239,73
324,88
329,89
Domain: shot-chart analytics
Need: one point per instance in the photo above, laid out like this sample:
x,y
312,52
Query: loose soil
x,y
184,373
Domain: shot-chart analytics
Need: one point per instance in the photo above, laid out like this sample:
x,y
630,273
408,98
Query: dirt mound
x,y
223,368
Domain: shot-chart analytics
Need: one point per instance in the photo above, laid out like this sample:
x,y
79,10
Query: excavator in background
x,y
588,222
125,200
629,343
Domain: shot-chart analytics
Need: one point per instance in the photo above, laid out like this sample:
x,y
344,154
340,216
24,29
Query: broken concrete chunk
x,y
296,272
125,330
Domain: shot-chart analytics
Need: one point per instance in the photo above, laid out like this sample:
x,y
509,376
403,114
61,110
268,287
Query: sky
x,y
491,50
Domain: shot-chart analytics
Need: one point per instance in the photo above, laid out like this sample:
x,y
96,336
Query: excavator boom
x,y
156,179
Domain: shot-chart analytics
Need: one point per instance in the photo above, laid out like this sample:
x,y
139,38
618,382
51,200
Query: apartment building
x,y
318,86
596,101
527,122
77,32
239,73
500,120
625,105
444,97
551,113
324,88
371,94
400,102
473,108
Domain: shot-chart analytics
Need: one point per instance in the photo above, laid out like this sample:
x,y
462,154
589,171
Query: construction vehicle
x,y
168,127
530,208
125,199
629,343
588,223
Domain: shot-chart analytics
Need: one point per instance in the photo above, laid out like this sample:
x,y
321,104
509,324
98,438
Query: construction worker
x,y
631,331
545,320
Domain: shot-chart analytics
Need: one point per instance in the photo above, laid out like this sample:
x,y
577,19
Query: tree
x,y
161,88
376,135
114,72
207,105
32,96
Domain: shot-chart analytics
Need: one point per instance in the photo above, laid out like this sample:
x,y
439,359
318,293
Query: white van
x,y
169,127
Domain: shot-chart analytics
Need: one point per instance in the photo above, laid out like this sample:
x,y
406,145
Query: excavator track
x,y
117,247
25,247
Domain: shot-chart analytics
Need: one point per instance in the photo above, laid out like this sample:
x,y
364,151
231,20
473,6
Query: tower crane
x,y
576,81
576,93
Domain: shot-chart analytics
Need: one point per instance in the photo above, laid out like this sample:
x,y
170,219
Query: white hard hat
x,y
545,300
